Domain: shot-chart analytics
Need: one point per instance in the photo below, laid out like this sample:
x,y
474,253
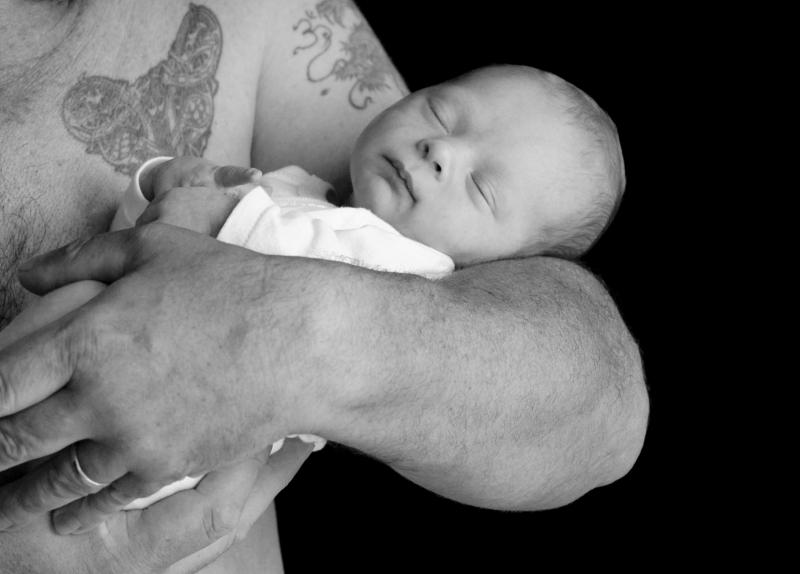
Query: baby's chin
x,y
369,195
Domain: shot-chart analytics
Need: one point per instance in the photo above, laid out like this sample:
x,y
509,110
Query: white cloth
x,y
287,213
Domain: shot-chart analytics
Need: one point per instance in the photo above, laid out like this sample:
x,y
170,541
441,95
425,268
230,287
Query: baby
x,y
504,161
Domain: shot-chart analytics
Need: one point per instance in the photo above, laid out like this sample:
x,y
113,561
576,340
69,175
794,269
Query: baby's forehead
x,y
503,78
515,91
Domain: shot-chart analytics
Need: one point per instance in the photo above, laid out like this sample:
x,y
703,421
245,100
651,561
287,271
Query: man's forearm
x,y
511,385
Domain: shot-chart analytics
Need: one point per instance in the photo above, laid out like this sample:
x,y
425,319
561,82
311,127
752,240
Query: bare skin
x,y
49,54
574,380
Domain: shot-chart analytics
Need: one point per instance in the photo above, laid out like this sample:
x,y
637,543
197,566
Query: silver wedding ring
x,y
84,477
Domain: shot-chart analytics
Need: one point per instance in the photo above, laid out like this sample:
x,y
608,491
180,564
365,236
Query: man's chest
x,y
116,87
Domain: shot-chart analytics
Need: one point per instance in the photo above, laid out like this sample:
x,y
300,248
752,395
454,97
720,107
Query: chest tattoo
x,y
363,64
167,111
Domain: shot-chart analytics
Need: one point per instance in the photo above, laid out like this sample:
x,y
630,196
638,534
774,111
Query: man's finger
x,y
272,478
31,370
103,258
192,520
53,484
49,308
43,429
85,514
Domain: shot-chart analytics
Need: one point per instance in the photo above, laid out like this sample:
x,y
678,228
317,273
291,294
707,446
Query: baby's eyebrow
x,y
453,96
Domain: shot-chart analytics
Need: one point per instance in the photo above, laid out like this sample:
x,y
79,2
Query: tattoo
x,y
365,64
14,106
168,111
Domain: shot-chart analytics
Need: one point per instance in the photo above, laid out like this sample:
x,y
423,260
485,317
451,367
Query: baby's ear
x,y
336,198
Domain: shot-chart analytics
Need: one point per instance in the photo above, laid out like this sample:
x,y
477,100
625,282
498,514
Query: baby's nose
x,y
434,153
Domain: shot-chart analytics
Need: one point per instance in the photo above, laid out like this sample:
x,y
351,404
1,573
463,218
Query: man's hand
x,y
194,193
165,374
190,529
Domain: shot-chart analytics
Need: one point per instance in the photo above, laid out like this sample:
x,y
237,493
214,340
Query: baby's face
x,y
468,167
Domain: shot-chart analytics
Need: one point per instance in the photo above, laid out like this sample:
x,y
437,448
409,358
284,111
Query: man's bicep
x,y
324,76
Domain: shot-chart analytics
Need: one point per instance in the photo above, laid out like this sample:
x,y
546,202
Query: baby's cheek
x,y
411,224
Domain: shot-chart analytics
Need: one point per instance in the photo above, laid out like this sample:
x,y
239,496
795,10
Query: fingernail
x,y
64,523
5,524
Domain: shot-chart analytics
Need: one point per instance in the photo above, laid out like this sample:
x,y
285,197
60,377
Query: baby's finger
x,y
151,213
233,175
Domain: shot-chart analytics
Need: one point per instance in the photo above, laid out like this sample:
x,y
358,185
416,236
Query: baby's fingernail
x,y
254,173
64,523
5,524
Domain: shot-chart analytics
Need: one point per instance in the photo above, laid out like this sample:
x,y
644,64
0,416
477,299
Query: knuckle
x,y
12,449
8,518
141,239
66,485
141,489
8,398
220,520
146,234
110,499
32,500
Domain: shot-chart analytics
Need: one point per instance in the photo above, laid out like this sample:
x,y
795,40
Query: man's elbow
x,y
628,428
612,452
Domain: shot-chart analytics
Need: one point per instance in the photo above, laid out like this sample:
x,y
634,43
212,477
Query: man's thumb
x,y
101,258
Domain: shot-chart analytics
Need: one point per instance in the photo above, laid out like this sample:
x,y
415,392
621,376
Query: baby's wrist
x,y
145,175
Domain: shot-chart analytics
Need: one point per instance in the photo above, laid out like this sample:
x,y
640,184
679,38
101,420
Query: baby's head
x,y
503,161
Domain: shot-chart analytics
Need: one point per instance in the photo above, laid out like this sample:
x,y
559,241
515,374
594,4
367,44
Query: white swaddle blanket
x,y
286,213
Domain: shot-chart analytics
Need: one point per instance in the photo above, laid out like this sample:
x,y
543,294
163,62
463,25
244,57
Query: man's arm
x,y
539,385
510,385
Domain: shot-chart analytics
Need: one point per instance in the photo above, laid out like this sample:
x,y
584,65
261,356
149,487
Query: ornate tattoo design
x,y
168,111
365,64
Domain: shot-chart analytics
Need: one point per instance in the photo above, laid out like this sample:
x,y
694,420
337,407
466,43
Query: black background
x,y
645,68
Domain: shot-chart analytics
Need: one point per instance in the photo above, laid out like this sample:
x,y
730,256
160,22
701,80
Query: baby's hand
x,y
200,209
193,193
193,172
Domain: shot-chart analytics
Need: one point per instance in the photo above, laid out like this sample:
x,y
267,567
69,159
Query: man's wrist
x,y
332,378
362,364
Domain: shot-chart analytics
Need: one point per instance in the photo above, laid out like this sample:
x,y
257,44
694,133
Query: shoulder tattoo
x,y
167,111
358,60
